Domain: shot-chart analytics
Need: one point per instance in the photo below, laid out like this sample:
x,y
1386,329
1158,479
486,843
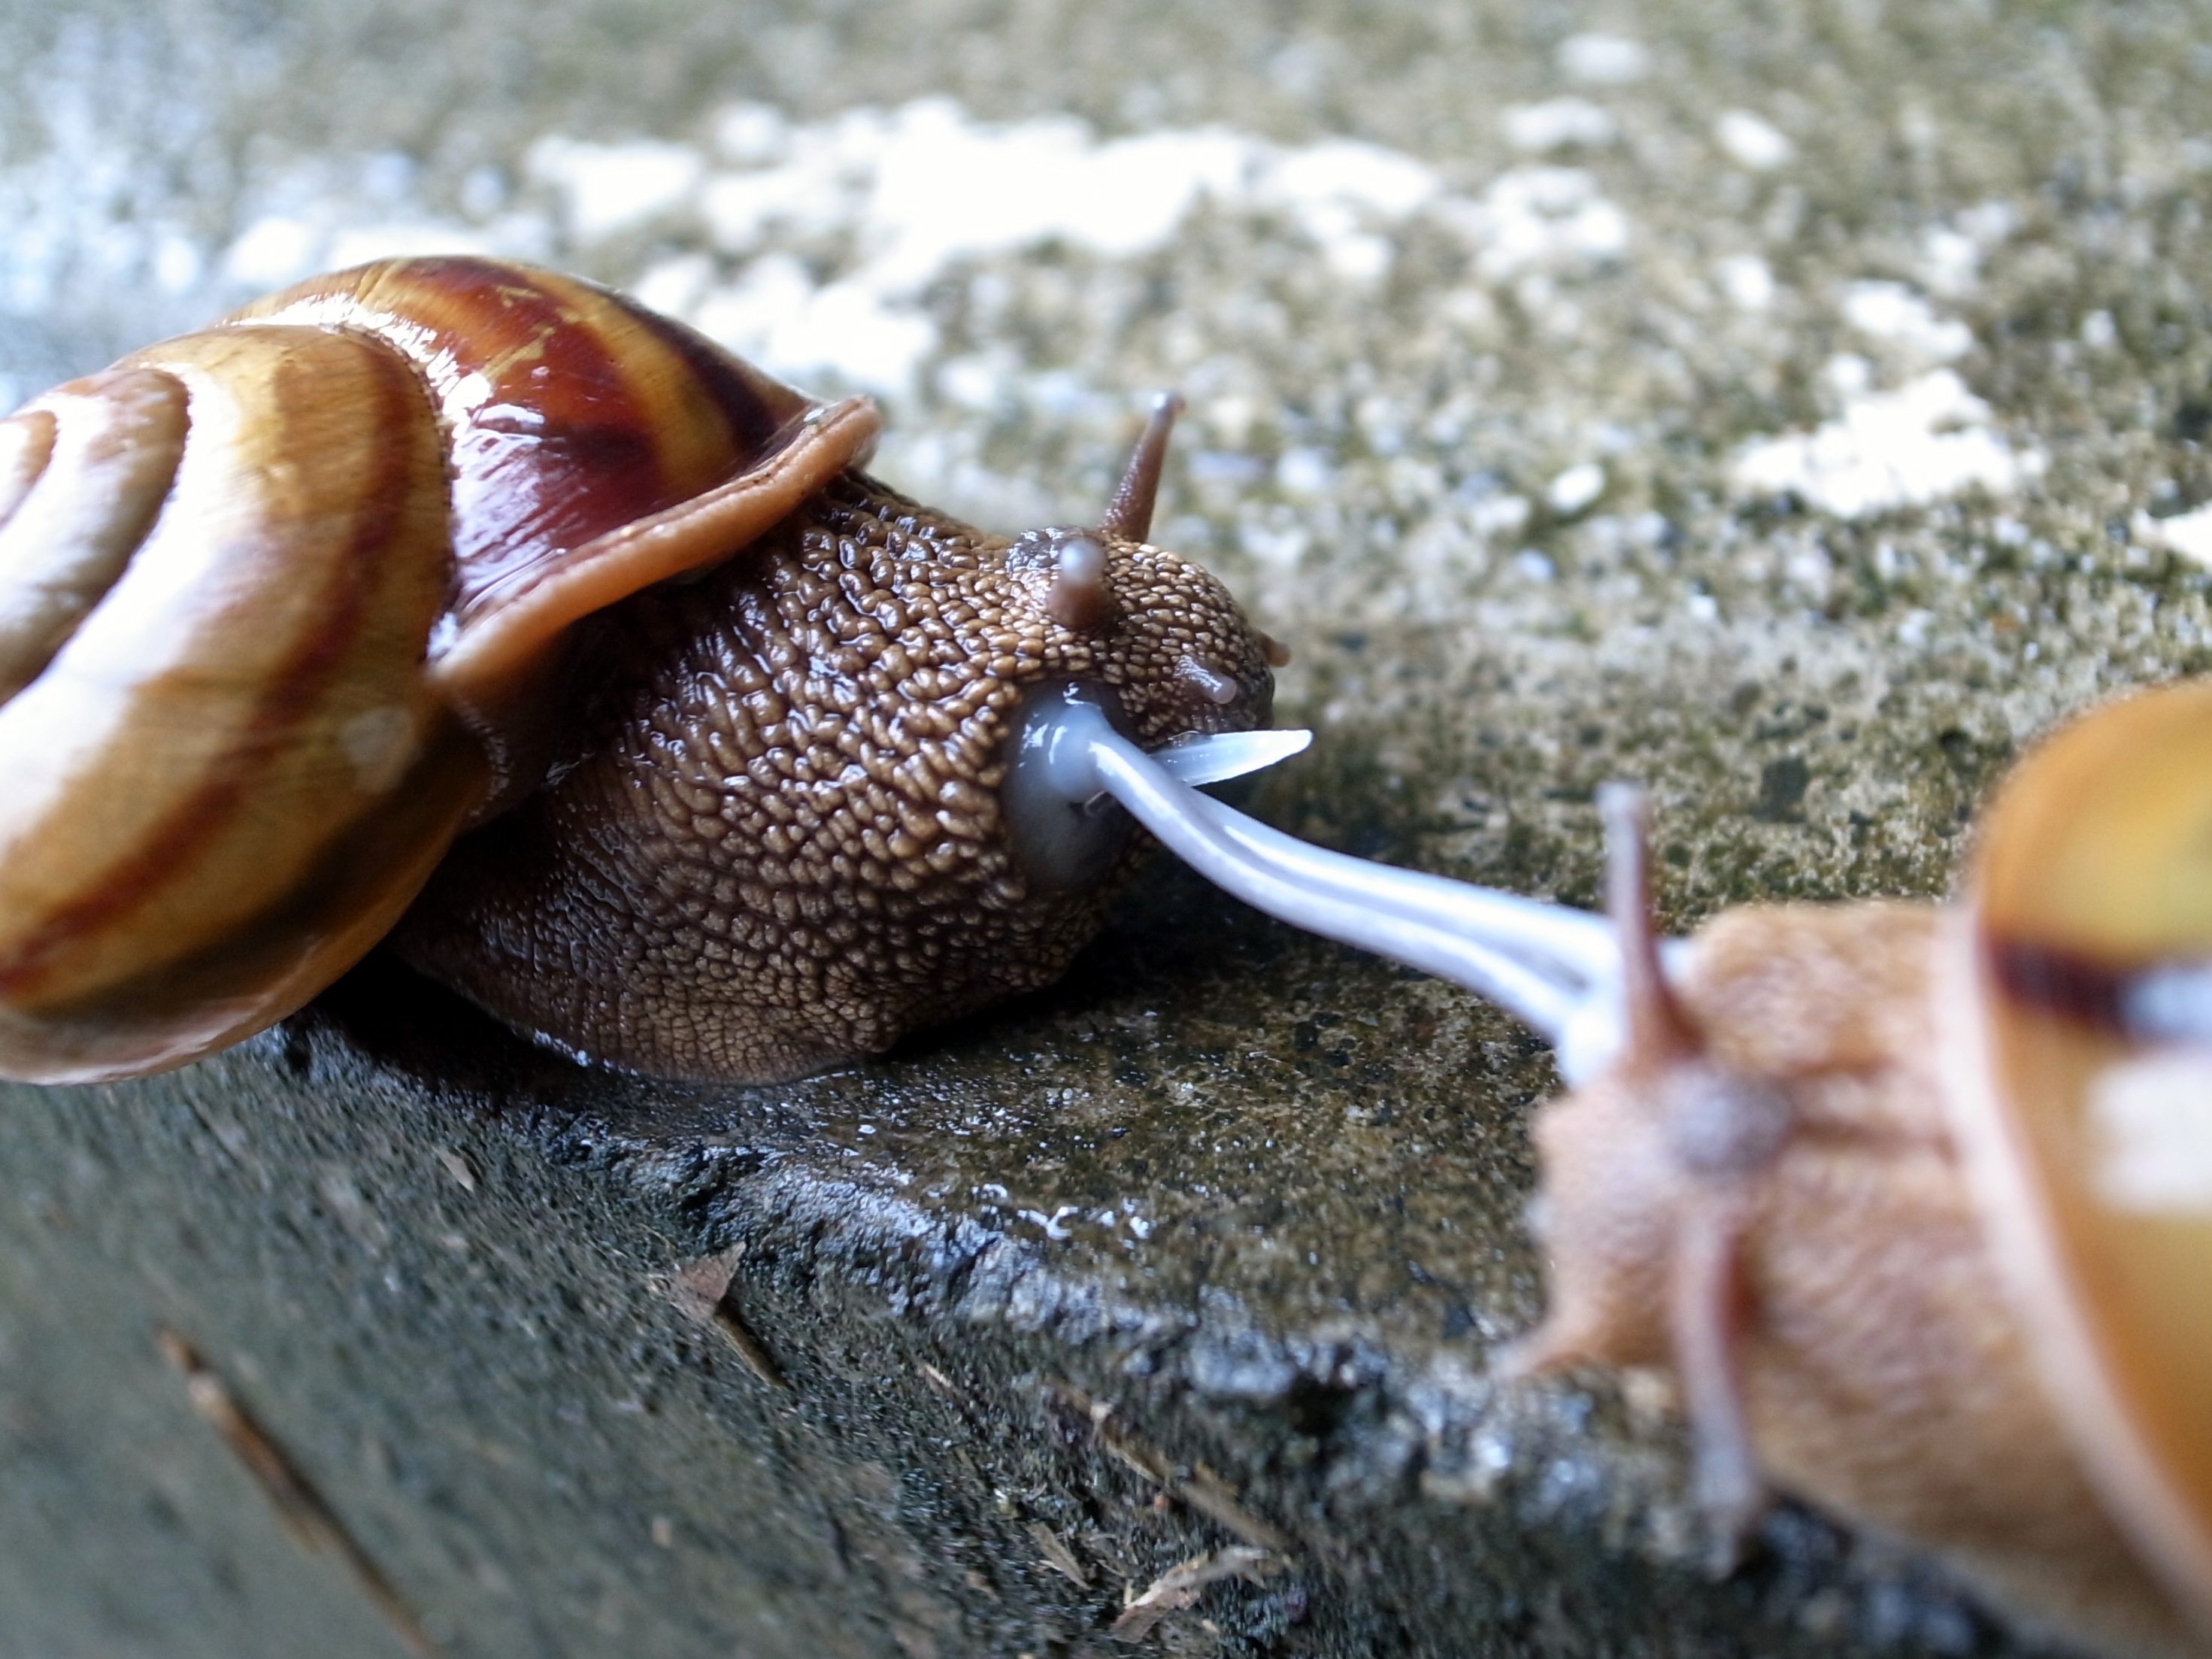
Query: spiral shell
x,y
2082,1089
1915,1202
278,601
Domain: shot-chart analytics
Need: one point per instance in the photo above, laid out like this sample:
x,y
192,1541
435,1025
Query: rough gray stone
x,y
1204,1248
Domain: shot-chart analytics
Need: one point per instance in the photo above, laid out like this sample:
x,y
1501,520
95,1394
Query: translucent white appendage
x,y
1555,968
1227,754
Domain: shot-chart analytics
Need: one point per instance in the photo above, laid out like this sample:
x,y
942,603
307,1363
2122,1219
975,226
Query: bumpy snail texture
x,y
779,838
288,603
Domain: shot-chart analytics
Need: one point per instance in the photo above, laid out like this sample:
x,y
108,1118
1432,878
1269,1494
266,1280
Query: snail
x,y
1914,1200
480,607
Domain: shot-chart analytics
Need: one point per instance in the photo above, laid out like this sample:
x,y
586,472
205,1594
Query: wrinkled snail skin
x,y
778,841
288,603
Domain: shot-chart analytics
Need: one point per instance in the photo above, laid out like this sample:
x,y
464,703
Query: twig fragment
x,y
1200,1488
1182,1583
310,1520
702,1290
1057,1556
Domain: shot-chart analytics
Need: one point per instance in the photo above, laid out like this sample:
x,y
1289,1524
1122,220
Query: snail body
x,y
1857,1178
1914,1200
289,604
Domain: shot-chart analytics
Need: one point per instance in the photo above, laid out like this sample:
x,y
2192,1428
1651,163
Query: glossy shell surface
x,y
276,601
2084,1093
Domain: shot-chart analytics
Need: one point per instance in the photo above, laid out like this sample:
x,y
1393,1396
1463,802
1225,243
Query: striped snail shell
x,y
1914,1201
289,604
2080,1087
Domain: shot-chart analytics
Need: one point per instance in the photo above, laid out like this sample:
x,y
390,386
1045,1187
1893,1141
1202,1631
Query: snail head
x,y
1164,655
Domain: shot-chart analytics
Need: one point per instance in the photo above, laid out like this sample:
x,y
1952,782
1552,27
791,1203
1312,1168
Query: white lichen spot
x,y
2189,534
2151,1120
2099,332
1304,472
1557,123
1575,489
272,252
1950,260
1752,142
1747,281
1603,60
751,134
912,193
675,286
1928,440
1499,515
610,188
1539,218
177,263
1892,311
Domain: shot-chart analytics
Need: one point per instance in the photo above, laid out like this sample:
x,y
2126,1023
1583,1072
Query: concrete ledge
x,y
585,1365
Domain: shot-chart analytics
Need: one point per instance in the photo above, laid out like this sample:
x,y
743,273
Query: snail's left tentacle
x,y
1706,1316
1328,893
1558,968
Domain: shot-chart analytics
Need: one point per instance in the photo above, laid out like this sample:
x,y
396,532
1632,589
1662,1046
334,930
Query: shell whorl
x,y
594,447
277,602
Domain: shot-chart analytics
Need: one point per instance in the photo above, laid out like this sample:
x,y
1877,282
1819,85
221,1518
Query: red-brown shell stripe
x,y
569,412
363,595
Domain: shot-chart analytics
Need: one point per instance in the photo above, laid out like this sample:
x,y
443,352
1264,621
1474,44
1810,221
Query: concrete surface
x,y
1797,406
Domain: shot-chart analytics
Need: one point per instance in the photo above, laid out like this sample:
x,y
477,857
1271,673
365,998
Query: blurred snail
x,y
1914,1200
737,733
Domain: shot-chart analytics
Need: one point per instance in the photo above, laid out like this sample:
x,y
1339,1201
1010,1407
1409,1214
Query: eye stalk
x,y
1130,513
1077,596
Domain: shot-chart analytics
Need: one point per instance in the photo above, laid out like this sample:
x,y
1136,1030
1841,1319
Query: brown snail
x,y
445,545
1913,1200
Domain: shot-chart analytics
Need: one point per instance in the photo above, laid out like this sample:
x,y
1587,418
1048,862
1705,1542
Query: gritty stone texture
x,y
1206,1245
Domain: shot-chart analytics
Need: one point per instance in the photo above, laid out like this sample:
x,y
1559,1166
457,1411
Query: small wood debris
x,y
310,1520
1184,1583
702,1290
944,1384
1057,1556
1201,1488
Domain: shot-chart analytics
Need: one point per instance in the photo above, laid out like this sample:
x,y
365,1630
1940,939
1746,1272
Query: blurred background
x,y
1797,403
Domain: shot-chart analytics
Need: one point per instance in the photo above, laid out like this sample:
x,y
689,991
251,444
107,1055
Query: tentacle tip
x,y
1077,597
1210,682
1130,513
1544,1351
1732,1500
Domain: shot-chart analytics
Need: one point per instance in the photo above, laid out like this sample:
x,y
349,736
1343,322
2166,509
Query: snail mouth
x,y
1067,831
1065,834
